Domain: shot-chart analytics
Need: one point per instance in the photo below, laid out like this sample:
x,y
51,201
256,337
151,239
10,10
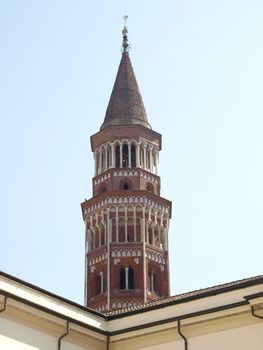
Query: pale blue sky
x,y
199,68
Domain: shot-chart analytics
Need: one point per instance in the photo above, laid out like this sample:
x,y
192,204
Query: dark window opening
x,y
149,187
152,282
104,283
133,156
117,156
125,156
125,186
122,278
131,278
98,285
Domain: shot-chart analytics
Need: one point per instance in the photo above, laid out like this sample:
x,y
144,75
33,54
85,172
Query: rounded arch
x,y
117,150
102,188
125,184
121,229
149,187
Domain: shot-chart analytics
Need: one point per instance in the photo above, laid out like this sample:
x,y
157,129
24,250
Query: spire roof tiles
x,y
125,106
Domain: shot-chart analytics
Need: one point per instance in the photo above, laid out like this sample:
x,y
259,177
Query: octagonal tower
x,y
126,220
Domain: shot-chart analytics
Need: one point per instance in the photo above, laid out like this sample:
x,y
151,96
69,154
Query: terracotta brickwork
x,y
126,220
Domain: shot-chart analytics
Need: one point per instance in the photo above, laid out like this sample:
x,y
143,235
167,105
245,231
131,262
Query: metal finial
x,y
125,42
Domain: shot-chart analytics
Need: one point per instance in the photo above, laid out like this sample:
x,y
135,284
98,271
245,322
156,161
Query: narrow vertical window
x,y
117,156
122,278
130,278
98,284
125,156
133,156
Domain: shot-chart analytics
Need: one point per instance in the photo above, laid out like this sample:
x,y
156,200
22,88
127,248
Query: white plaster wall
x,y
15,336
243,338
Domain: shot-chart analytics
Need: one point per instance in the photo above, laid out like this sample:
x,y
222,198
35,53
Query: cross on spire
x,y
125,42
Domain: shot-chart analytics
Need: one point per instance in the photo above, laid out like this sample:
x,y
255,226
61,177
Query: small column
x,y
144,157
117,229
143,254
113,158
108,257
126,223
151,160
135,224
156,162
101,282
126,278
99,237
100,162
129,155
95,164
151,281
147,232
106,158
137,155
121,155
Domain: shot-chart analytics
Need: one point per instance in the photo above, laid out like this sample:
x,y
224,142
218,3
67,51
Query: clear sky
x,y
200,72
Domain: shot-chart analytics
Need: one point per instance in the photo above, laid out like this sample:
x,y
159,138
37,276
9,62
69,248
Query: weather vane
x,y
125,42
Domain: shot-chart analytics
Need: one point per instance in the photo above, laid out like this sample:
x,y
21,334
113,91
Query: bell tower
x,y
126,220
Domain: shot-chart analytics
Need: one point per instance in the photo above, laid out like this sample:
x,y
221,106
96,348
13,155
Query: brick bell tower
x,y
126,220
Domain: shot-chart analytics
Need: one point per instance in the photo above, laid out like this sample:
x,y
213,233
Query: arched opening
x,y
102,232
125,184
130,278
142,157
149,187
121,230
153,282
98,283
117,156
148,162
130,230
122,279
102,159
108,157
125,156
96,235
133,156
102,188
113,230
126,278
138,229
97,162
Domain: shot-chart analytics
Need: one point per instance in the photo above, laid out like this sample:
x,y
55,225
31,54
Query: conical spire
x,y
125,106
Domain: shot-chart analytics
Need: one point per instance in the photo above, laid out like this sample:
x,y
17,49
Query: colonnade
x,y
128,224
126,154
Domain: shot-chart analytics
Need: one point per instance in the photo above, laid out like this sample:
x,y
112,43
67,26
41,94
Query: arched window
x,y
126,276
152,282
102,232
125,184
121,229
122,278
130,278
102,159
117,156
108,157
133,156
97,163
98,284
148,163
125,156
149,187
102,188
